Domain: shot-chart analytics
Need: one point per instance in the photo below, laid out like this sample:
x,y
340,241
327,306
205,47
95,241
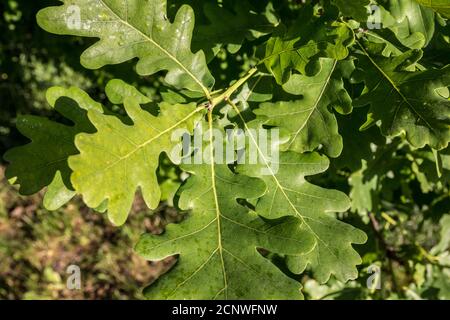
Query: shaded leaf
x,y
309,120
405,101
299,47
218,242
290,194
43,161
358,145
355,8
440,6
230,25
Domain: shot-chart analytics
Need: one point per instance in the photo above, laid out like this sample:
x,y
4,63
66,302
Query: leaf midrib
x,y
144,144
316,104
216,203
167,53
277,182
397,89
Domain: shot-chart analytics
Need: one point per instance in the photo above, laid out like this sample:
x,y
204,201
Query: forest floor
x,y
37,247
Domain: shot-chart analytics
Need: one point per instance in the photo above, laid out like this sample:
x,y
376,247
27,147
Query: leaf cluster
x,y
353,103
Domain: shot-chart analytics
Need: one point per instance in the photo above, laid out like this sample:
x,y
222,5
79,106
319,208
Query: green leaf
x,y
230,25
299,47
119,158
393,46
57,194
309,120
407,19
290,194
218,242
444,243
357,144
134,29
440,6
363,193
117,90
432,172
442,282
405,102
43,161
355,8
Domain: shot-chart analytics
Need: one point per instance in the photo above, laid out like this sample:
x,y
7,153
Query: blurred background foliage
x,y
400,198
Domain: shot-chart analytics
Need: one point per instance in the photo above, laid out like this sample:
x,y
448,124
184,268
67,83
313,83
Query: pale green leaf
x,y
363,193
134,29
119,158
407,19
57,194
117,90
444,243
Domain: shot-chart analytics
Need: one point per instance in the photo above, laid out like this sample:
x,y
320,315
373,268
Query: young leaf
x,y
405,101
119,158
43,162
290,194
444,243
307,40
410,19
431,168
393,45
218,242
117,91
363,192
308,120
440,6
134,29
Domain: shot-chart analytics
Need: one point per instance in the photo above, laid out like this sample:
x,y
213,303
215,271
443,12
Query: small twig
x,y
391,254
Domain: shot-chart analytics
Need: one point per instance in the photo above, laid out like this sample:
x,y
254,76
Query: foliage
x,y
363,116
